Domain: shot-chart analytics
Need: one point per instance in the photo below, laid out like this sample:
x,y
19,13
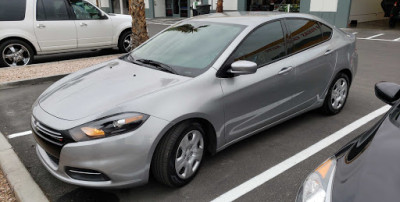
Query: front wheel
x,y
179,155
125,42
337,95
15,53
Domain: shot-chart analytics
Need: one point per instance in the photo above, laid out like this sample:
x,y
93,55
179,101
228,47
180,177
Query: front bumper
x,y
124,159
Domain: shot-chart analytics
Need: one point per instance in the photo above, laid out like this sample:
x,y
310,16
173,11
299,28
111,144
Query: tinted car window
x,y
12,10
85,11
52,10
304,34
263,45
326,32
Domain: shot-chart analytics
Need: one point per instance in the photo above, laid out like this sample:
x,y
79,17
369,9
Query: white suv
x,y
37,27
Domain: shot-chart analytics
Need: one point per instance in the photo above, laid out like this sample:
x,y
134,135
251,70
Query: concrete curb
x,y
30,81
25,188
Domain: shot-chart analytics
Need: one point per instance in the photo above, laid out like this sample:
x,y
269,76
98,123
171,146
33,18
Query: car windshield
x,y
189,48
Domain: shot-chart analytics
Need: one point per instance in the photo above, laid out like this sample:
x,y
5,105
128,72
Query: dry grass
x,y
6,193
50,69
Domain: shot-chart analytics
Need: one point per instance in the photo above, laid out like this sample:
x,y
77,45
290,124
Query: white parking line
x,y
387,40
19,134
269,174
371,37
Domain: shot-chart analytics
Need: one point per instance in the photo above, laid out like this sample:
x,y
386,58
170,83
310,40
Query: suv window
x,y
12,10
263,45
85,11
304,34
326,32
51,10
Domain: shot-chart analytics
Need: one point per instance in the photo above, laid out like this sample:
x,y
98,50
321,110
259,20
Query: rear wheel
x,y
15,53
125,41
179,154
337,95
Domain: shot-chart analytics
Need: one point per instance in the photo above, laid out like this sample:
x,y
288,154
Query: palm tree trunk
x,y
220,7
139,27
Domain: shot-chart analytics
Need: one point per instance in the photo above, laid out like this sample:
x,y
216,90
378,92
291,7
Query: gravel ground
x,y
50,69
6,193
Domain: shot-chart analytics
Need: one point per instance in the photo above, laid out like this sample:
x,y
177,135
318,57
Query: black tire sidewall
x,y
121,41
15,41
175,179
327,103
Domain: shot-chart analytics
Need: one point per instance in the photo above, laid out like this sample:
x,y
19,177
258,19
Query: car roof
x,y
250,18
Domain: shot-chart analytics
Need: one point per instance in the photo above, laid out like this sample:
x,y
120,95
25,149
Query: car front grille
x,y
48,133
48,138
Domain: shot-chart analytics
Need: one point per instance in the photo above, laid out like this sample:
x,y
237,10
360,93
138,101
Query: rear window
x,y
304,34
12,10
326,32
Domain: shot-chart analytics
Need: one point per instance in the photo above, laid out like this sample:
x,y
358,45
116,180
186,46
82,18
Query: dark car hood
x,y
103,88
368,168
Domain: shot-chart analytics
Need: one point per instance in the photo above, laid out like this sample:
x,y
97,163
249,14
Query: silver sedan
x,y
198,86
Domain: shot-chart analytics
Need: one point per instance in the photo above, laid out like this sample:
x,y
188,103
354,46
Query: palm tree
x,y
220,7
139,27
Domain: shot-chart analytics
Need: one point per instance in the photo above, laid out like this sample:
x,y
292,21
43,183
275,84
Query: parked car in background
x,y
38,27
159,108
367,168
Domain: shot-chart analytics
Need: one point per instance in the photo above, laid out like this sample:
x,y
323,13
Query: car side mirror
x,y
242,67
387,92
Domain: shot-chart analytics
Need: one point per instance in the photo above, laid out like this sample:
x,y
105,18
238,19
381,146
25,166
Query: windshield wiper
x,y
158,65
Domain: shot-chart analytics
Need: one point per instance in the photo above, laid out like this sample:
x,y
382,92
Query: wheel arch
x,y
348,73
22,39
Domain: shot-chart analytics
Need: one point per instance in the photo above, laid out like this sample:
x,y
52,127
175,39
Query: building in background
x,y
337,12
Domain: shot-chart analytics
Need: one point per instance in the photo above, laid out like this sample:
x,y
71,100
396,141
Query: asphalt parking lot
x,y
378,61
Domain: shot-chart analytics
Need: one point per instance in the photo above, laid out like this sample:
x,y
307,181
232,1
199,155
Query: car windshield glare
x,y
190,47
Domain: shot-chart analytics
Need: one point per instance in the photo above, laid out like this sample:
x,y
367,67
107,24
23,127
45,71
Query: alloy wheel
x,y
339,93
127,43
16,55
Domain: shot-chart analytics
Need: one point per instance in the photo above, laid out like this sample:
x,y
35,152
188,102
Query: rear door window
x,y
264,45
326,32
303,34
52,10
12,10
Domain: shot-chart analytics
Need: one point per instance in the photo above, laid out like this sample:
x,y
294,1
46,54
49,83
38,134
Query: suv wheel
x,y
15,53
125,42
179,154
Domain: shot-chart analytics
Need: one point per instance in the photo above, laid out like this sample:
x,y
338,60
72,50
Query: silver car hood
x,y
103,88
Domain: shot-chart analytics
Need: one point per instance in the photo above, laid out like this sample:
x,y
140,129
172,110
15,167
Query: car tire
x,y
179,154
337,95
9,47
124,42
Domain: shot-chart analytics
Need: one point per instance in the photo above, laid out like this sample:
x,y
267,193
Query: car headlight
x,y
108,126
318,185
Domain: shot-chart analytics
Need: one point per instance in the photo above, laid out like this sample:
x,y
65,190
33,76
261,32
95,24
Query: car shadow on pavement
x,y
88,195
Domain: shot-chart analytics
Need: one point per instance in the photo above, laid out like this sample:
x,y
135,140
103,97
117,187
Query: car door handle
x,y
83,24
41,26
328,52
285,70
